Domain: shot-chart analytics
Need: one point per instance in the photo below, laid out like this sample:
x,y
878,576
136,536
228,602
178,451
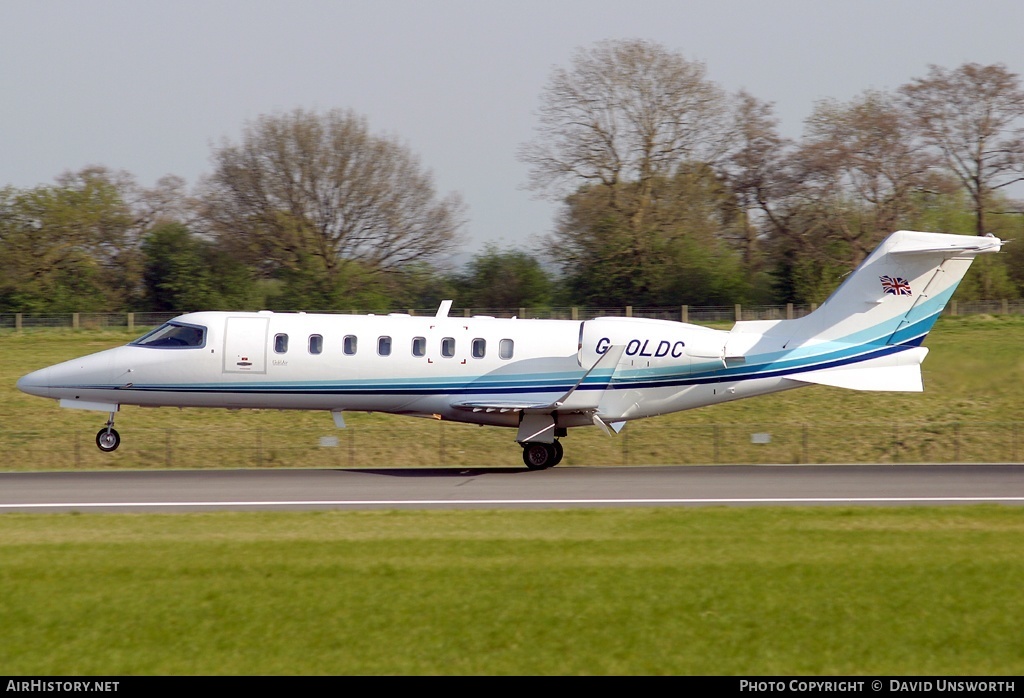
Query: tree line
x,y
671,191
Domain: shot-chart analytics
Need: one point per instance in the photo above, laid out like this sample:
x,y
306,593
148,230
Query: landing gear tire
x,y
539,456
108,439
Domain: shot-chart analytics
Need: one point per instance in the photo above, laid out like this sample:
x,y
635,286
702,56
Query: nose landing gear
x,y
107,438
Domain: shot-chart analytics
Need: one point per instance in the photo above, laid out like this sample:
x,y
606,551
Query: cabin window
x,y
280,343
448,347
506,348
384,346
350,344
419,346
316,344
479,348
173,335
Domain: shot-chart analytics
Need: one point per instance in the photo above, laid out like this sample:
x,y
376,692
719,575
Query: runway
x,y
466,488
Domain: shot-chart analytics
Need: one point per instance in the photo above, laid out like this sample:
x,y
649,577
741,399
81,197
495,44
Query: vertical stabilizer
x,y
867,335
893,298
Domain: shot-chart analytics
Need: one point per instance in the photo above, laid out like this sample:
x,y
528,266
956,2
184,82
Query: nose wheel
x,y
107,438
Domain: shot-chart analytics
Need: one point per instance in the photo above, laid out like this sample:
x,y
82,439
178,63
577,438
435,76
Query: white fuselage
x,y
480,369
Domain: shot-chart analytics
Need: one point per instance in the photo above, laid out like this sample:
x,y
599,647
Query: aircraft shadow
x,y
434,472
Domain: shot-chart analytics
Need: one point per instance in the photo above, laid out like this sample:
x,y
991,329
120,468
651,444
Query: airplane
x,y
540,377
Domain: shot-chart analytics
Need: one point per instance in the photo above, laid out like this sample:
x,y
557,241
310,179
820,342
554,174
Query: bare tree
x,y
304,186
974,117
759,173
861,166
627,112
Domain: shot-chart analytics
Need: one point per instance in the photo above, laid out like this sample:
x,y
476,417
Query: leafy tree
x,y
682,255
503,279
423,285
183,272
67,247
306,285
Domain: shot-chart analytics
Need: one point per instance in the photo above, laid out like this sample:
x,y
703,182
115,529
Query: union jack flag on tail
x,y
896,285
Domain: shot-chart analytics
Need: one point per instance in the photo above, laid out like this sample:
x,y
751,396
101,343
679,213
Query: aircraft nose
x,y
36,383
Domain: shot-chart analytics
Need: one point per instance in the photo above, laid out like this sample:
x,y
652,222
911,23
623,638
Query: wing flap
x,y
498,406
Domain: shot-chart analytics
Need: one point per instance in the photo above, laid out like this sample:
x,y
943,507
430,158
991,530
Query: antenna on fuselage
x,y
443,309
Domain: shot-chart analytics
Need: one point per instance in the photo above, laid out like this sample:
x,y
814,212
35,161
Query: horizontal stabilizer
x,y
948,244
898,373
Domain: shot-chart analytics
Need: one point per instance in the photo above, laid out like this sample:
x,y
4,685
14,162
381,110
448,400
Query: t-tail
x,y
867,335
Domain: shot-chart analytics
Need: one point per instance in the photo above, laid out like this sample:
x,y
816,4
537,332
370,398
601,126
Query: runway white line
x,y
427,502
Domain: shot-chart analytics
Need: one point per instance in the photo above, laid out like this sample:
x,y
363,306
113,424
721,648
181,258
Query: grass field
x,y
659,591
666,591
971,411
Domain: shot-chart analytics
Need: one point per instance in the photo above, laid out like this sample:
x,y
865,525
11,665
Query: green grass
x,y
970,411
754,591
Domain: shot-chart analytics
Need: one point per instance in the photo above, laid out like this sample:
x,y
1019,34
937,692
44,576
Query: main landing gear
x,y
107,438
539,456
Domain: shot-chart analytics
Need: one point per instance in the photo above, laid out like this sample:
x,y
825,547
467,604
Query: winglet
x,y
608,359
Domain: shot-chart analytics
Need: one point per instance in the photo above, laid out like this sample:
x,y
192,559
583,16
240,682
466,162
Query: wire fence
x,y
405,443
683,313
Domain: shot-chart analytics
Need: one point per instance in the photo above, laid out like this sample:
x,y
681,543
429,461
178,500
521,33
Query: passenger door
x,y
245,345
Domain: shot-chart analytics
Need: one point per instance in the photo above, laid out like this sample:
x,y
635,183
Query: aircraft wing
x,y
566,403
537,423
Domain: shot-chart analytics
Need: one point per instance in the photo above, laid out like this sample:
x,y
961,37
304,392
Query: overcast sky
x,y
150,86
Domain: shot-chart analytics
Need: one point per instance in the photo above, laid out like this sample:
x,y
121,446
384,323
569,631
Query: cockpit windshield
x,y
174,335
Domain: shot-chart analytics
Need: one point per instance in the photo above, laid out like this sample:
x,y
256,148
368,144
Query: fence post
x,y
74,320
789,311
952,308
575,313
739,312
1006,307
684,314
629,311
131,322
